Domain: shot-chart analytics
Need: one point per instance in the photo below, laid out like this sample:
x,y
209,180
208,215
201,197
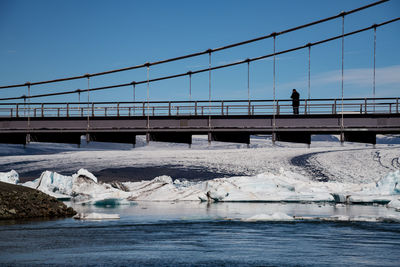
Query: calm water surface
x,y
182,234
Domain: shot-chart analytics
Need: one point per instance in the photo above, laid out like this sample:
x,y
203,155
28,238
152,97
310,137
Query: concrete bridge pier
x,y
294,137
175,137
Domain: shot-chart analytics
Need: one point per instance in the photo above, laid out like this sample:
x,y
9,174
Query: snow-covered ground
x,y
356,173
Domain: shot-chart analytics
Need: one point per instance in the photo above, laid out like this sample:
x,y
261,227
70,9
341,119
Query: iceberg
x,y
10,177
81,187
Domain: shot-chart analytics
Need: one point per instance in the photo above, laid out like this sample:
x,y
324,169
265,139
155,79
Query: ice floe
x,y
96,216
277,216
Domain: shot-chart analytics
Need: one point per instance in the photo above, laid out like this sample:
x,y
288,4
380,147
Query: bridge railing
x,y
200,108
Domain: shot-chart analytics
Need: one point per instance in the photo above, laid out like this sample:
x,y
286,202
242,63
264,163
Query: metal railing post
x,y
305,107
277,107
67,110
58,112
222,108
16,112
169,108
92,109
195,108
334,107
11,112
105,111
144,109
397,105
177,110
117,109
365,107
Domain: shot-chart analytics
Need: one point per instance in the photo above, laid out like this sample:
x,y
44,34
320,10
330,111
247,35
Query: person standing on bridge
x,y
295,101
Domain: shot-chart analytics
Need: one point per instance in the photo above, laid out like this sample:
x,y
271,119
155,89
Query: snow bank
x,y
10,177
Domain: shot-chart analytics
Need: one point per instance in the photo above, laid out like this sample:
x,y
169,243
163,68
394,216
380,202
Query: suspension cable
x,y
148,96
373,89
342,123
190,86
273,119
203,52
309,71
209,83
216,67
29,105
88,107
134,91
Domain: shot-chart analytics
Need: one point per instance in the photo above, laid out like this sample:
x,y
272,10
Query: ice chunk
x,y
395,204
390,184
10,177
277,216
165,179
96,216
85,173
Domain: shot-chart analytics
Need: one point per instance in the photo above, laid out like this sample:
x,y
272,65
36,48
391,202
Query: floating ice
x,y
10,177
82,187
96,216
395,204
277,216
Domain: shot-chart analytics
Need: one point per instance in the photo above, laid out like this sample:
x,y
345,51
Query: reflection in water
x,y
194,233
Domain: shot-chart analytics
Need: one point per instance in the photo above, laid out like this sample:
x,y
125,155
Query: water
x,y
191,233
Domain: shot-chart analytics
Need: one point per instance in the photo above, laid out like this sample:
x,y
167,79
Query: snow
x,y
357,173
10,177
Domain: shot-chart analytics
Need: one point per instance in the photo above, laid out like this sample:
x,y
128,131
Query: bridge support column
x,y
294,137
231,137
64,137
176,137
360,137
112,137
13,138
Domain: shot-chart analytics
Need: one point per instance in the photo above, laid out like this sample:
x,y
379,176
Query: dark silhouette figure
x,y
295,101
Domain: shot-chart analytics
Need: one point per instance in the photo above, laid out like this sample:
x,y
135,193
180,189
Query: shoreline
x,y
20,202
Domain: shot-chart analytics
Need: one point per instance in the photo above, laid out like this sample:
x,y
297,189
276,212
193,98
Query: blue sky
x,y
43,40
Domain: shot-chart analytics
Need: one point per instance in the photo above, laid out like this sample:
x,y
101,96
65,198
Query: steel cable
x,y
200,53
212,68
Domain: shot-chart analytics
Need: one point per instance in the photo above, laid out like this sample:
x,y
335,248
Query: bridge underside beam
x,y
13,138
64,137
119,137
294,137
360,137
174,137
231,137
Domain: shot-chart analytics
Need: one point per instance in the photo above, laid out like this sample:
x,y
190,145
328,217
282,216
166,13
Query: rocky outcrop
x,y
19,202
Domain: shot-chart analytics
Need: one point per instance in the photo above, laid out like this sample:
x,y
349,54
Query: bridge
x,y
354,119
357,120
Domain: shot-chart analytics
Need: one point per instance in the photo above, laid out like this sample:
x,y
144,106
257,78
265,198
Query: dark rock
x,y
19,202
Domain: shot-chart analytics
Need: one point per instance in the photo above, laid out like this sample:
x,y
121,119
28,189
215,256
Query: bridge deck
x,y
360,121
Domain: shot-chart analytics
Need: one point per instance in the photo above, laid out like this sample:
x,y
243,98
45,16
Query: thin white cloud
x,y
360,77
